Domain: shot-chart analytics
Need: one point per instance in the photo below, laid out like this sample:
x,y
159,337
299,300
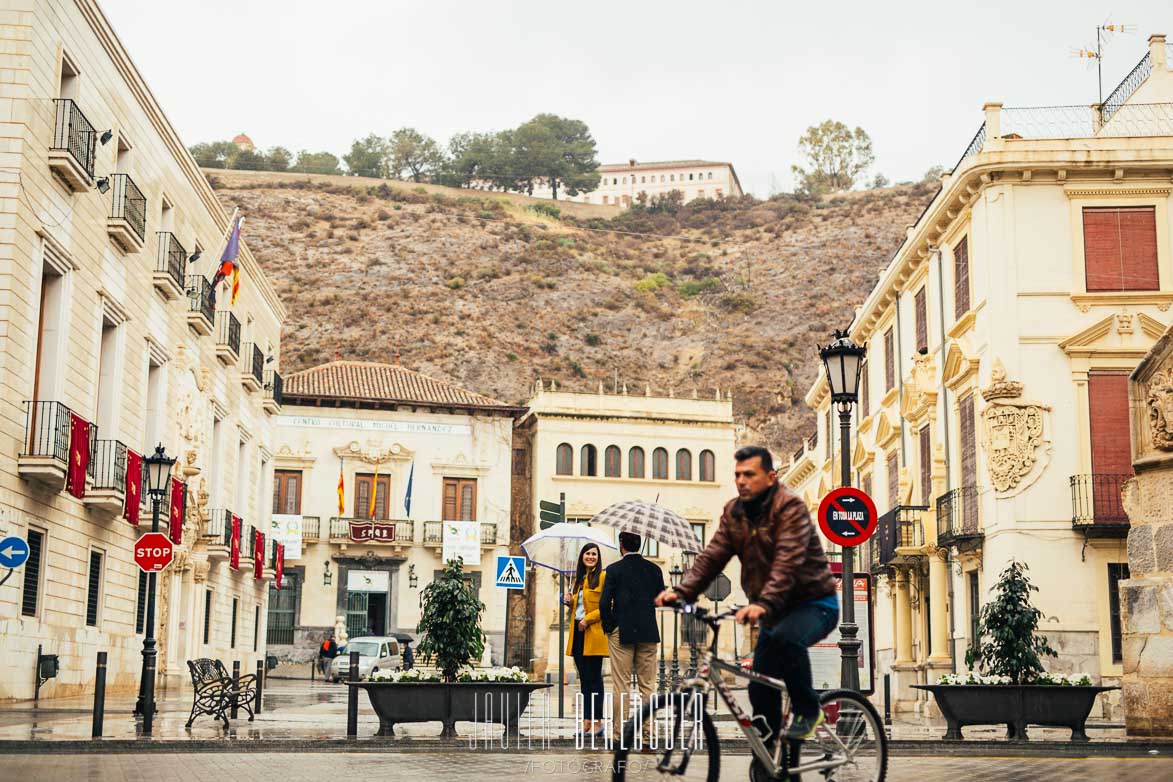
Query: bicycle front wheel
x,y
673,738
851,739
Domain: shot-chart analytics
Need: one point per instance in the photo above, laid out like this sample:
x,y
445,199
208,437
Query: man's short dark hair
x,y
750,451
630,541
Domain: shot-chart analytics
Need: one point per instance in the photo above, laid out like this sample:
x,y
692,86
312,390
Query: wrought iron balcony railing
x,y
47,430
1127,86
172,258
273,386
107,465
958,517
74,134
228,331
1095,501
254,363
129,204
899,528
218,527
199,294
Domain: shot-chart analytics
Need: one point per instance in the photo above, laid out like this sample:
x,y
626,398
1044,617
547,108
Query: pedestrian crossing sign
x,y
510,572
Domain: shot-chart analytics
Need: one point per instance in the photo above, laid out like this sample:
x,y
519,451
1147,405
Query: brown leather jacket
x,y
782,559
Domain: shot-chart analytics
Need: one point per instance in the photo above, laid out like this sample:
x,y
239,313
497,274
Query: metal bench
x,y
214,693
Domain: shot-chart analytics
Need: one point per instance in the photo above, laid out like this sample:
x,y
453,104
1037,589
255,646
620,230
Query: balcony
x,y
311,528
71,156
272,400
434,534
107,472
958,520
227,338
1096,508
252,368
44,457
169,267
201,309
218,533
127,223
403,532
899,537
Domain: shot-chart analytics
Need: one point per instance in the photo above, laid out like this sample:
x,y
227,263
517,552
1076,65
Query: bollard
x,y
235,688
352,699
887,699
99,696
260,685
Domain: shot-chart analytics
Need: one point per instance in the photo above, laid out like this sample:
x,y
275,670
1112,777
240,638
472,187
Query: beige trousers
x,y
625,659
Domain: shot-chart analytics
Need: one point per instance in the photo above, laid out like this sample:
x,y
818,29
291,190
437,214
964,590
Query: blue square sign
x,y
510,572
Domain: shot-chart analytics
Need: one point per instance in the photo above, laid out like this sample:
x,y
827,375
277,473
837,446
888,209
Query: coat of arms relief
x,y
1015,434
1160,404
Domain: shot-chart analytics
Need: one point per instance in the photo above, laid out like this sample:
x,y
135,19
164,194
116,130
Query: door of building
x,y
357,616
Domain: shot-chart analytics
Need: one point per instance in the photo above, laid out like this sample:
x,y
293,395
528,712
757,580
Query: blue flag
x,y
407,498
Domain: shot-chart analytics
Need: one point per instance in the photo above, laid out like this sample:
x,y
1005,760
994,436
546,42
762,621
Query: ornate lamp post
x,y
158,470
675,574
842,360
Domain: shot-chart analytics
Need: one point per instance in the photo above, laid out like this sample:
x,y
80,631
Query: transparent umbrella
x,y
557,548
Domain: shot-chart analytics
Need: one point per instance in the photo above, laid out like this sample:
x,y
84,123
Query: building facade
x,y
599,449
410,453
110,345
624,184
993,420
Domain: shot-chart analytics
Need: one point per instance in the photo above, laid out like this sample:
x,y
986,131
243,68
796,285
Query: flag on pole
x,y
229,267
407,497
341,491
374,492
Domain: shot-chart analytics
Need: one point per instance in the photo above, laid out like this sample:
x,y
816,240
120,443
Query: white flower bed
x,y
514,674
410,675
1057,679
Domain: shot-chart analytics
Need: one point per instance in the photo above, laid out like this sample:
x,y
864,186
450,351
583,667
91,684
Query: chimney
x,y
993,113
1157,52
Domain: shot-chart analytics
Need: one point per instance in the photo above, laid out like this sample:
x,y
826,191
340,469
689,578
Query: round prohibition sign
x,y
847,516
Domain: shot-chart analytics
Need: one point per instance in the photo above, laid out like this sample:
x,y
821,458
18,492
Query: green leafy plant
x,y
450,622
1010,645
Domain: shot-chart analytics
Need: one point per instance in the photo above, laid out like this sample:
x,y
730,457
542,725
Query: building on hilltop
x,y
430,453
110,327
993,422
244,143
623,184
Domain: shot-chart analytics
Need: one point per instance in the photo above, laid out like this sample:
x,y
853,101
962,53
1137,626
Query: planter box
x,y
498,702
1014,706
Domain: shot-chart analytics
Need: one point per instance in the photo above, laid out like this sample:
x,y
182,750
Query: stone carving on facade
x,y
199,570
1160,408
920,390
1015,434
374,452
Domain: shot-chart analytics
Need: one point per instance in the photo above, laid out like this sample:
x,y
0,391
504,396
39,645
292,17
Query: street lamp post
x,y
842,360
675,573
158,470
690,624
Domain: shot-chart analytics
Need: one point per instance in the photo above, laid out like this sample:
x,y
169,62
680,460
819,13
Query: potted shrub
x,y
446,688
1011,687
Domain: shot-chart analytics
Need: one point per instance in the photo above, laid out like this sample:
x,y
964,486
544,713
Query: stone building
x,y
109,237
993,423
430,453
623,184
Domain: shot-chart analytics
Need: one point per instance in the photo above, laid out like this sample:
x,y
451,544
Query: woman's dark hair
x,y
580,572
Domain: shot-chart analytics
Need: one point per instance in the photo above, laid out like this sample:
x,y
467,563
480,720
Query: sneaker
x,y
802,728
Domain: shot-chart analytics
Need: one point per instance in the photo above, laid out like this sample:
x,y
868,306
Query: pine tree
x,y
450,622
1009,644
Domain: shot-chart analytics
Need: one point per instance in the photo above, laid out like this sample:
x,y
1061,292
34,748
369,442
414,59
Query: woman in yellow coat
x,y
588,645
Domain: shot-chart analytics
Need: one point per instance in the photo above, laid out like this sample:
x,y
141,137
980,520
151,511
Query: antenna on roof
x,y
1104,34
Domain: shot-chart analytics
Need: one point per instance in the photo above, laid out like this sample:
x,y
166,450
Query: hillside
x,y
482,290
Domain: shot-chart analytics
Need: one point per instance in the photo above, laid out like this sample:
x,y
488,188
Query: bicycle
x,y
849,746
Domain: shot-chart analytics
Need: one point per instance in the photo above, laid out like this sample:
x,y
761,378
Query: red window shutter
x,y
889,362
961,278
893,480
865,404
1120,249
968,442
1108,411
926,466
922,321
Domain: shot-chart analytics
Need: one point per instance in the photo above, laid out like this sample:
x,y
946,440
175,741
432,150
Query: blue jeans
x,y
781,653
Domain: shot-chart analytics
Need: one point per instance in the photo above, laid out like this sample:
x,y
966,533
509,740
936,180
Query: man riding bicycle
x,y
785,575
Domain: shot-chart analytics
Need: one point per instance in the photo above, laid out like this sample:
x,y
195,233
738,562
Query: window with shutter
x,y
922,321
708,466
611,461
968,462
565,460
889,362
1110,442
30,598
865,483
660,464
460,499
865,402
588,464
961,278
287,491
925,456
893,481
363,485
1120,248
684,465
635,462
94,589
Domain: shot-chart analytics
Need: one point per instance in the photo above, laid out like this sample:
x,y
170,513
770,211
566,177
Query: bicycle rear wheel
x,y
679,741
851,733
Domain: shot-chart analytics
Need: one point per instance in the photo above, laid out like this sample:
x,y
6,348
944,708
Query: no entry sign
x,y
153,552
847,516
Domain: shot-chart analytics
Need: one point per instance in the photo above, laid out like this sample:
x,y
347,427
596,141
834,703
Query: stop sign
x,y
153,552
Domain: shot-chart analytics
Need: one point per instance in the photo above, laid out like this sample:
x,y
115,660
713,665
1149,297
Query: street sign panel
x,y
153,552
14,552
553,507
550,513
510,572
847,516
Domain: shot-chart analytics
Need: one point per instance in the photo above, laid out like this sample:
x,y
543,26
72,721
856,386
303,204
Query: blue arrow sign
x,y
14,552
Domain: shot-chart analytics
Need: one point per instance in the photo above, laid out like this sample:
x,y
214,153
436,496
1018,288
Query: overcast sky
x,y
738,80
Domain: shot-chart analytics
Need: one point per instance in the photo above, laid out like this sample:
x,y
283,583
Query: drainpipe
x,y
948,452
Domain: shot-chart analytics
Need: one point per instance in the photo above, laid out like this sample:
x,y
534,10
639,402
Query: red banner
x,y
280,566
234,548
178,507
134,486
258,554
79,455
372,531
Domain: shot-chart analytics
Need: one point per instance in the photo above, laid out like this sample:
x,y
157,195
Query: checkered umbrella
x,y
649,521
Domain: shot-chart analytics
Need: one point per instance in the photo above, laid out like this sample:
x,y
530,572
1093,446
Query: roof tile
x,y
367,380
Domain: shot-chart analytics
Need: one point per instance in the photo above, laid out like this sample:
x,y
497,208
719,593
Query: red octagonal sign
x,y
153,552
847,516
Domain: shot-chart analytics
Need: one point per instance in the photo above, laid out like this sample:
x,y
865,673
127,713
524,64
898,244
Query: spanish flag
x,y
341,491
374,492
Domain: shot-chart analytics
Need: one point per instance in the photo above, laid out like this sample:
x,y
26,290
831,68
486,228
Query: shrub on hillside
x,y
690,288
652,283
549,210
455,283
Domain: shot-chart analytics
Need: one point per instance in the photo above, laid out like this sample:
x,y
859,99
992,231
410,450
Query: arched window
x,y
588,461
683,465
660,464
635,462
710,175
708,466
565,461
611,460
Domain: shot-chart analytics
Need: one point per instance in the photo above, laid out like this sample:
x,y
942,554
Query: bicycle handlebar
x,y
701,612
